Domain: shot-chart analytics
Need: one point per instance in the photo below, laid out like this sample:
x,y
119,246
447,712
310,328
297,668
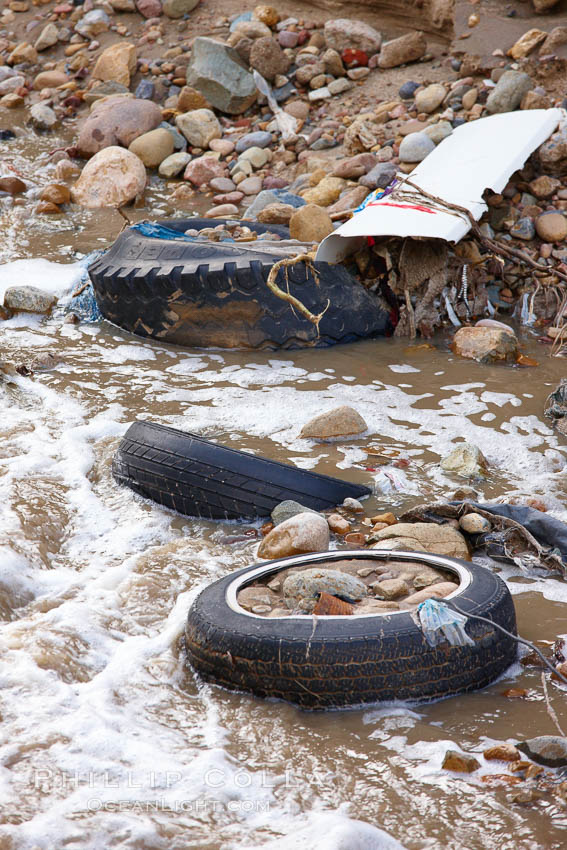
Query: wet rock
x,y
344,32
305,532
12,185
466,461
117,63
49,80
177,8
380,176
430,98
310,224
509,91
43,117
502,752
47,38
338,524
407,48
203,169
276,214
153,147
115,121
325,192
287,510
199,127
93,23
56,193
28,299
459,762
548,750
112,178
174,164
308,584
423,537
551,227
474,524
45,362
267,57
218,72
485,344
415,147
340,422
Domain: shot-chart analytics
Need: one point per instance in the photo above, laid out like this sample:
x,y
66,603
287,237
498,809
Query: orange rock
x,y
56,193
388,518
515,693
47,208
501,779
338,524
356,539
460,762
502,752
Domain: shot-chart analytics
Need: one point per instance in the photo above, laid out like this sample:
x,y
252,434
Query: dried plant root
x,y
287,296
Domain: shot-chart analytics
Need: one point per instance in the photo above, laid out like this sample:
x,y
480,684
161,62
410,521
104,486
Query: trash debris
x,y
525,536
405,229
438,623
556,407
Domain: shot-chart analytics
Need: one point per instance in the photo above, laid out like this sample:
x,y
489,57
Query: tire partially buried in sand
x,y
214,293
332,661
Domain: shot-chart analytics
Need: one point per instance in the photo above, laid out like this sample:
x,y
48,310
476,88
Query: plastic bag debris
x,y
287,124
438,623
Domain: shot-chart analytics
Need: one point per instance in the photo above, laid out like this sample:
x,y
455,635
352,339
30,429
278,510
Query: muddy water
x,y
108,740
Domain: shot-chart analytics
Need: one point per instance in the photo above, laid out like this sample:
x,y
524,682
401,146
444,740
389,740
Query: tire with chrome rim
x,y
330,661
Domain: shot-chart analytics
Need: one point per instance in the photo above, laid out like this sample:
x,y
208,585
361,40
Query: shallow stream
x,y
108,740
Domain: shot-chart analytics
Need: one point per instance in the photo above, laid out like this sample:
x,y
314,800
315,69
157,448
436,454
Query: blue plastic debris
x,y
438,622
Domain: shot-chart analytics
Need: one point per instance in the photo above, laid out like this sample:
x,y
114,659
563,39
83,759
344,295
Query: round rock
x,y
415,147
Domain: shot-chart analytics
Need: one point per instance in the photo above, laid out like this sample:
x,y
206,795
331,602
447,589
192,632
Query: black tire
x,y
348,660
198,478
214,294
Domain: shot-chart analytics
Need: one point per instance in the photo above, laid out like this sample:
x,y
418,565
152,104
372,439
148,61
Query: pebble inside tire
x,y
332,661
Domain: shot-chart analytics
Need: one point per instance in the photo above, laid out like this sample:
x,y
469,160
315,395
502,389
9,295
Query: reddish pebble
x,y
354,58
288,39
302,36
